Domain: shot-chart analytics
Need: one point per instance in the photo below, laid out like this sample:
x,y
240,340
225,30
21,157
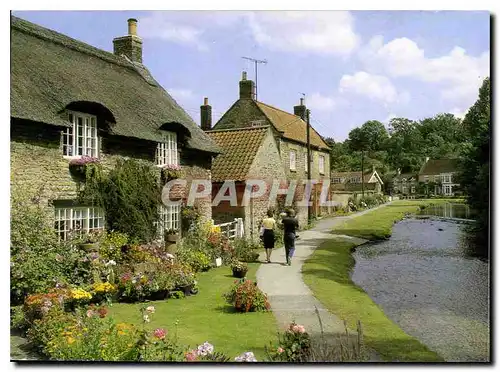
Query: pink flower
x,y
160,333
280,350
192,355
90,313
150,309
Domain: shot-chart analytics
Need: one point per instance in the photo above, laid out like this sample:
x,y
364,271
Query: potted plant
x,y
78,167
90,242
239,269
172,235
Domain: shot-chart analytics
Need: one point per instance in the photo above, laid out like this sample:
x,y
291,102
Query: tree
x,y
371,137
474,175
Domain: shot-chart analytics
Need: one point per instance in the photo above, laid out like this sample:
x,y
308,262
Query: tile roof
x,y
294,127
50,70
437,166
239,148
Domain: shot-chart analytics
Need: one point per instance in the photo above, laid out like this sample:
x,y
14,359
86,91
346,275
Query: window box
x,y
78,167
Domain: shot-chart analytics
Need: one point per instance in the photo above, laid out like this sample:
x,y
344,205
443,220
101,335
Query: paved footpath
x,y
290,298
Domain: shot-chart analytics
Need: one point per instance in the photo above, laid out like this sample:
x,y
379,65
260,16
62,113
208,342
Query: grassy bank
x,y
206,317
327,273
377,225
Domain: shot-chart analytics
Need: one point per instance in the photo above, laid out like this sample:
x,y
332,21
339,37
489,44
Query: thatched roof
x,y
49,71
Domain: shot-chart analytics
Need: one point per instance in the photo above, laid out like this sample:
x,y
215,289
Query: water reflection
x,y
448,210
425,281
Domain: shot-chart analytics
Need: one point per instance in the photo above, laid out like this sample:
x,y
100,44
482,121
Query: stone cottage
x,y
69,99
440,174
351,182
278,141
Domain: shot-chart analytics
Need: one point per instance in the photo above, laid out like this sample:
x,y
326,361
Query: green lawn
x,y
377,225
327,274
206,317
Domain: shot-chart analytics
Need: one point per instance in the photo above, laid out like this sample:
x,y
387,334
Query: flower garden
x,y
107,296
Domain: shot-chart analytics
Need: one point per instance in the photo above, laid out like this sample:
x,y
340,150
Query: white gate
x,y
232,229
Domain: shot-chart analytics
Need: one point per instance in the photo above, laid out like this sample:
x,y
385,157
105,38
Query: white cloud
x,y
317,101
457,74
166,26
181,94
321,32
376,87
311,31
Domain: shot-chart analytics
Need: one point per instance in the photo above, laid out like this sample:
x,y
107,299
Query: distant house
x,y
405,184
70,99
282,137
351,182
441,174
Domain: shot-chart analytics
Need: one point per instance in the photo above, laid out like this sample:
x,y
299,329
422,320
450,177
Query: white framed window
x,y
447,189
355,180
405,189
81,138
166,152
446,178
336,180
306,162
169,219
413,189
321,164
293,159
78,220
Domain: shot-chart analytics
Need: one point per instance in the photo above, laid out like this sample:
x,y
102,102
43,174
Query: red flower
x,y
160,333
102,312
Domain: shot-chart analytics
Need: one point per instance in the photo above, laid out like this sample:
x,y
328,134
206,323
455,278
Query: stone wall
x,y
37,161
242,114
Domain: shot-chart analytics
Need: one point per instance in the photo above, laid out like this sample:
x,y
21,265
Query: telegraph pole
x,y
255,61
308,161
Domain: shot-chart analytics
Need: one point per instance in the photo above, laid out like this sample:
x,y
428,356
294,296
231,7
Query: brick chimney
x,y
206,115
247,87
130,45
300,110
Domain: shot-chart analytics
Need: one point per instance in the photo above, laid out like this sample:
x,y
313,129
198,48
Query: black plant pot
x,y
239,273
159,295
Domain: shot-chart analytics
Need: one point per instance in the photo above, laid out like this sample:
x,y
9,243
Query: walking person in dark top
x,y
290,225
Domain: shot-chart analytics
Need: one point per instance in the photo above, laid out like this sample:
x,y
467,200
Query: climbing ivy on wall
x,y
130,195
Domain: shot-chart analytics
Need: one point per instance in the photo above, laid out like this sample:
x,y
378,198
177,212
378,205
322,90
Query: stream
x,y
425,282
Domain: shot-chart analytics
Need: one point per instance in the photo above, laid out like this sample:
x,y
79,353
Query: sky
x,y
352,66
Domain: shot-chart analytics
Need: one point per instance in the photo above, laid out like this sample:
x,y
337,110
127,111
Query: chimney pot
x,y
302,101
205,101
132,26
244,75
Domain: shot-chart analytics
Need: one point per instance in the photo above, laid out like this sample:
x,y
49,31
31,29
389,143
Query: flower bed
x,y
245,296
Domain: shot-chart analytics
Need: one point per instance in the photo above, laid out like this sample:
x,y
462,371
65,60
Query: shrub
x,y
111,244
245,296
38,260
197,260
294,345
246,250
85,335
36,306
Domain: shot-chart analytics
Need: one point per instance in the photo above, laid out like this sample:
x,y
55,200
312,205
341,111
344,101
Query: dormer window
x,y
166,152
81,138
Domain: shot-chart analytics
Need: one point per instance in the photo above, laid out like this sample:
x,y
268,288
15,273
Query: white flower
x,y
246,357
146,318
111,262
205,348
169,255
150,309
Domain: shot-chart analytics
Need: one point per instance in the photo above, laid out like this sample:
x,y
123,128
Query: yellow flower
x,y
70,340
79,294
